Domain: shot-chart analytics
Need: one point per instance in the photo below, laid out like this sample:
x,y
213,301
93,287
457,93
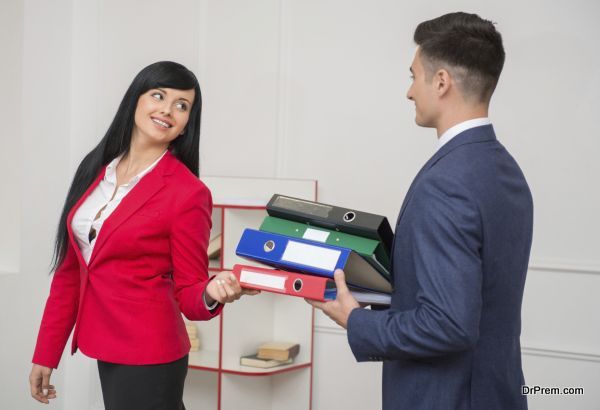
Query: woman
x,y
130,252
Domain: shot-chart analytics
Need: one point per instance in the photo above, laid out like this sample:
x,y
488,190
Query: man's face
x,y
422,93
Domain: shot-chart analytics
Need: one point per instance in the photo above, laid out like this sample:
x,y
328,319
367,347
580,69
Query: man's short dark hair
x,y
469,47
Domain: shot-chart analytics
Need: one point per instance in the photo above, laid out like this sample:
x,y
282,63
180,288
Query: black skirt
x,y
144,387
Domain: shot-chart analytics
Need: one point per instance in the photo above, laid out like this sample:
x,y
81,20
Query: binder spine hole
x,y
298,285
269,246
349,216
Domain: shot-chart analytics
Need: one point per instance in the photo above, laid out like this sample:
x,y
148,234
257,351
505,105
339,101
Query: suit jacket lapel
x,y
412,185
472,135
74,209
403,207
145,189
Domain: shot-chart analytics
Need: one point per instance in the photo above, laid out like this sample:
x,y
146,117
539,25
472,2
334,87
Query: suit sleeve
x,y
60,312
190,234
445,231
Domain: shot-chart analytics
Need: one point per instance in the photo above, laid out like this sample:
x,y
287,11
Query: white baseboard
x,y
560,354
526,349
565,266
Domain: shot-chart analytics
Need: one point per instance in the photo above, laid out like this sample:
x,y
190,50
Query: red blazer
x,y
149,265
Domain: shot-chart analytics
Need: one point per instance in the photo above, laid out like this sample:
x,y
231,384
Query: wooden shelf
x,y
204,360
244,325
232,365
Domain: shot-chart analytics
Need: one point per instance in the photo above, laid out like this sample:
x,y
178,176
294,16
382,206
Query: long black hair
x,y
117,140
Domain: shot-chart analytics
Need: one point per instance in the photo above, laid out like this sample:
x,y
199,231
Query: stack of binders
x,y
307,241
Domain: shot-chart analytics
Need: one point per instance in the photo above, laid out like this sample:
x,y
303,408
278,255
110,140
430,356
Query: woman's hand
x,y
39,382
225,288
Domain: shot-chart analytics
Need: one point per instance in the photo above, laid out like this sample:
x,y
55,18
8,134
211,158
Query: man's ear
x,y
442,82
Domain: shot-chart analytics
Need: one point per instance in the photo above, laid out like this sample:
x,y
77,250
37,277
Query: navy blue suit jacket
x,y
450,339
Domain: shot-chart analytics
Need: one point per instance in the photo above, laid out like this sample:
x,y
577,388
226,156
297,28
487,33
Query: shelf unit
x,y
216,379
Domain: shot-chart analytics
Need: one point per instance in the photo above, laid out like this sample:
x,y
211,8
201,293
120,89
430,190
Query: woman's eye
x,y
182,106
157,96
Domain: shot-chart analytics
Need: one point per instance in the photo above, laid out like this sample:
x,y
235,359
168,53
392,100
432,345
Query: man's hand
x,y
39,383
225,288
339,309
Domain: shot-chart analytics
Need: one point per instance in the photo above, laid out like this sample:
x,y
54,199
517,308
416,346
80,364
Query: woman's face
x,y
162,114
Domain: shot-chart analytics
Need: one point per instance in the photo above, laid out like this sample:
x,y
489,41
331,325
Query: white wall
x,y
305,89
11,26
34,174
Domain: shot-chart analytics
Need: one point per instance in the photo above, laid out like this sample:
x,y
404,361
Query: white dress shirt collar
x,y
460,127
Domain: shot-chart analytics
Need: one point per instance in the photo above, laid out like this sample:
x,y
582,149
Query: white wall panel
x,y
338,381
545,110
560,311
37,37
347,108
11,114
239,131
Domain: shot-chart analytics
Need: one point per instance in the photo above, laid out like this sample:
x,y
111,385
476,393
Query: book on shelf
x,y
191,329
254,361
278,350
214,247
194,344
192,332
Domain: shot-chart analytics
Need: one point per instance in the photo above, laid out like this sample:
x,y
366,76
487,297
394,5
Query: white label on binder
x,y
315,235
262,279
309,255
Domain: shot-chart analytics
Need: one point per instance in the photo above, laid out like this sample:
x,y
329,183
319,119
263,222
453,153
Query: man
x,y
450,339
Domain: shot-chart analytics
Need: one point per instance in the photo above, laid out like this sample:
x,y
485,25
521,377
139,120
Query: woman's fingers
x,y
40,397
235,286
46,386
221,290
35,384
229,289
39,383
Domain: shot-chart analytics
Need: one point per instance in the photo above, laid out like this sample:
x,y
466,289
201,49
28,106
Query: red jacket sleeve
x,y
60,312
190,233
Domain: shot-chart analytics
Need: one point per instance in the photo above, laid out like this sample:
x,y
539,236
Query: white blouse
x,y
106,195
